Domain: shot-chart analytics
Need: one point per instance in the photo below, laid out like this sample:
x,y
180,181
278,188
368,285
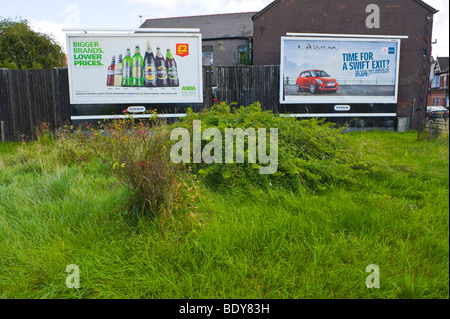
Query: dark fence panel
x,y
245,85
5,111
29,98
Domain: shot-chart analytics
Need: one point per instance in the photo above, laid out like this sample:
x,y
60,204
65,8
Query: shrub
x,y
311,153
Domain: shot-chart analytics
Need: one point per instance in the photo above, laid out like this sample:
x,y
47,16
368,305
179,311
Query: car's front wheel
x,y
297,87
312,88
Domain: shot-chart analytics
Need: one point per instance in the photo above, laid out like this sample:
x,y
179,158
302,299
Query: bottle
x,y
137,76
149,67
172,70
110,76
161,69
126,69
118,72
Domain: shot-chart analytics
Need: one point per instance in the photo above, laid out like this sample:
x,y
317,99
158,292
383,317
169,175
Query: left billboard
x,y
135,68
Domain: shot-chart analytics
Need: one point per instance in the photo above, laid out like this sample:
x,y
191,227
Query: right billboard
x,y
324,70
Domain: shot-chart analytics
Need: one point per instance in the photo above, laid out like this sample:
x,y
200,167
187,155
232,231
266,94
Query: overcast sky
x,y
51,16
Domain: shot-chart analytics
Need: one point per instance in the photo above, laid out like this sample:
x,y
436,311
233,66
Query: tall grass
x,y
59,206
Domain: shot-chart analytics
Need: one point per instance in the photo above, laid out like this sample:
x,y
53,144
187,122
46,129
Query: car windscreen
x,y
319,74
436,108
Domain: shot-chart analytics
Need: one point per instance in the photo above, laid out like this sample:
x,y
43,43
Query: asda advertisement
x,y
135,68
339,70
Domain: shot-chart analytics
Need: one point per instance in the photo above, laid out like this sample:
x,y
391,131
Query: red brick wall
x,y
401,17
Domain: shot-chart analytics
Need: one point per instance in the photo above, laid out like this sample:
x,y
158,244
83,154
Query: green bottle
x,y
137,74
126,69
172,70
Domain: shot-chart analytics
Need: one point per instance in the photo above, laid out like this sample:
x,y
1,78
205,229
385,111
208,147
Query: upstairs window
x,y
436,81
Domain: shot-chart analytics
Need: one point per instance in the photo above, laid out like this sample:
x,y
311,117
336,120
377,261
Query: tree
x,y
23,48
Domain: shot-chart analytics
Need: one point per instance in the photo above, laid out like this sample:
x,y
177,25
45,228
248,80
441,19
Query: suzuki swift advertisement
x,y
135,68
339,70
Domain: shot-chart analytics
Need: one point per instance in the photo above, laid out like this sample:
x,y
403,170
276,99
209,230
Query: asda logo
x,y
189,91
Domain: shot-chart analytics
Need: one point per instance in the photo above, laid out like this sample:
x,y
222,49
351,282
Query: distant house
x,y
227,38
438,94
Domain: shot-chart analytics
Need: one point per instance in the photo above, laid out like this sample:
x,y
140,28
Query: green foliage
x,y
311,153
23,48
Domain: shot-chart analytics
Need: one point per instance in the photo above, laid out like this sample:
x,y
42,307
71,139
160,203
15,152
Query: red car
x,y
316,80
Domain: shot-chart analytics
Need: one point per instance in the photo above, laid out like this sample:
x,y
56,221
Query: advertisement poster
x,y
135,68
339,70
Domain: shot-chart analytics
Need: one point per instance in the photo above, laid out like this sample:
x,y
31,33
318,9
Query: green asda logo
x,y
188,91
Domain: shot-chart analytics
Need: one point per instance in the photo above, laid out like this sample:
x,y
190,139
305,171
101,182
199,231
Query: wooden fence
x,y
245,85
29,98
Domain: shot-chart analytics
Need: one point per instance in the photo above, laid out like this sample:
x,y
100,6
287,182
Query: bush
x,y
311,153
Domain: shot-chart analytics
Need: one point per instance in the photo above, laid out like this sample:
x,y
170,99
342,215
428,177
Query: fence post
x,y
2,130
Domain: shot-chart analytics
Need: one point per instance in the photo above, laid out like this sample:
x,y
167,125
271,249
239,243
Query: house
x,y
412,18
226,38
438,94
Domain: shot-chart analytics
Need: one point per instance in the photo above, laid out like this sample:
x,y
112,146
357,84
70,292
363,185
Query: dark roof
x,y
430,8
443,63
230,25
265,9
423,4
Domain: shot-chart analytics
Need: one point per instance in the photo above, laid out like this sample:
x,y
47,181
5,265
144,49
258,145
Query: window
x,y
207,55
434,102
444,81
319,74
438,101
436,81
244,58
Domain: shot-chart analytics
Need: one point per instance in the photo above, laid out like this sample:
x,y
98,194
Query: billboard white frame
x,y
333,99
135,33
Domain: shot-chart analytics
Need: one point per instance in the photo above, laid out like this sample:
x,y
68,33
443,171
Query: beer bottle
x,y
161,69
126,69
149,67
118,72
172,70
110,77
137,76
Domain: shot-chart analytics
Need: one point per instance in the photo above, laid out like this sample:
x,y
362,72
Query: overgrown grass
x,y
59,207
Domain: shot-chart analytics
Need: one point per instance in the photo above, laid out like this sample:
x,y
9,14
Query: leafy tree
x,y
23,48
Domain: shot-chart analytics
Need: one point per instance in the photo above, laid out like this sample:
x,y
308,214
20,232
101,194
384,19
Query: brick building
x,y
412,18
